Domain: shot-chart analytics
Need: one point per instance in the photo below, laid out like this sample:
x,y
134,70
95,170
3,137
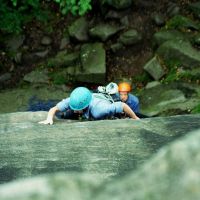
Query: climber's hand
x,y
47,121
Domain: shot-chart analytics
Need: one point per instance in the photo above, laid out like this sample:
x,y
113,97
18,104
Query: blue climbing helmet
x,y
80,98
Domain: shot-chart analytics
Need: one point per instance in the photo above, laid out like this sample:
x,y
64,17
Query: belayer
x,y
121,92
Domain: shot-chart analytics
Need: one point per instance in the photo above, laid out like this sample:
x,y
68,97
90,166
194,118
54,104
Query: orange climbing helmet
x,y
124,87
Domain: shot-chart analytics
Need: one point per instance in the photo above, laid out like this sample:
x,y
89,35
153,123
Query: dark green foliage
x,y
143,78
10,19
196,109
188,75
15,14
172,68
175,72
79,7
58,79
181,22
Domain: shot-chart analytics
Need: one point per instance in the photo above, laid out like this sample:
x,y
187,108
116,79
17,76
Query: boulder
x,y
195,8
21,99
154,68
182,51
79,29
15,42
165,35
63,59
93,64
37,76
104,31
130,37
122,4
171,99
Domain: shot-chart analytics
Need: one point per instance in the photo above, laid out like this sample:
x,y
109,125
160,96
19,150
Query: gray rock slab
x,y
111,148
173,172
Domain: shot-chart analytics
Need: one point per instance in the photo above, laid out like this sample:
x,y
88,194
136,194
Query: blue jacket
x,y
97,109
133,103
